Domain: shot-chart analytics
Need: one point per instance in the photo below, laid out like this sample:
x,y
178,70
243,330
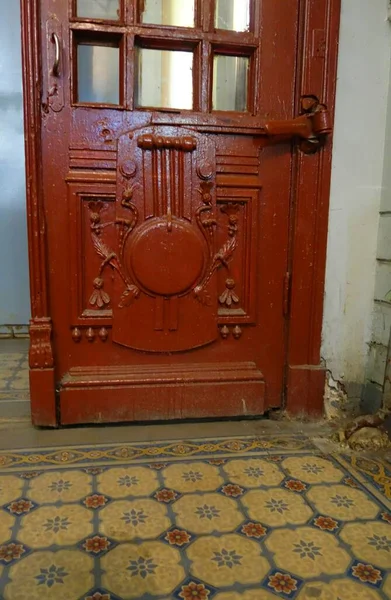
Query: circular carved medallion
x,y
128,169
166,257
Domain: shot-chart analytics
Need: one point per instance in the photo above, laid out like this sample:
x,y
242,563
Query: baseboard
x,y
9,332
118,394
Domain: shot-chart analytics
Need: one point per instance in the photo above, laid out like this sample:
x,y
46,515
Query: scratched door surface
x,y
167,207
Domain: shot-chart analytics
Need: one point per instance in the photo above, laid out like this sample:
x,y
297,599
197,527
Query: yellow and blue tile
x,y
228,519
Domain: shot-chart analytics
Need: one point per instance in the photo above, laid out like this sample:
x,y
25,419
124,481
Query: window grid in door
x,y
168,48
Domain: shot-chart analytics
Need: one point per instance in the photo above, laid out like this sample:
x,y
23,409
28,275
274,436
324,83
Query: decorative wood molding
x,y
170,170
33,152
225,332
229,297
90,334
152,142
41,354
317,75
135,392
240,207
100,298
225,253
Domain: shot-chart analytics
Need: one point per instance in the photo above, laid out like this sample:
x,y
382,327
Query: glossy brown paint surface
x,y
161,241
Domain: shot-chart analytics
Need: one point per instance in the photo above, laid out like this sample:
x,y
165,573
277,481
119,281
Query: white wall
x,y
356,190
14,289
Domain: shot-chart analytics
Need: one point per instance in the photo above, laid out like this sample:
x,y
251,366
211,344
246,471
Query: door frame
x,y
316,71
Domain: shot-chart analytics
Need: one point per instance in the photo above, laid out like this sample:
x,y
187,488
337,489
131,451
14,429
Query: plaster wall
x,y
357,189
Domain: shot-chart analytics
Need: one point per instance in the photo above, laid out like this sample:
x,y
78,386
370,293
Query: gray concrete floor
x,y
10,346
21,434
16,430
14,383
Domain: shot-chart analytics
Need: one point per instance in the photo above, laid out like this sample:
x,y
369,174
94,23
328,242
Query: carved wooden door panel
x,y
167,205
166,301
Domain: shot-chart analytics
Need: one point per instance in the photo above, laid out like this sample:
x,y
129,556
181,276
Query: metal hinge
x,y
311,127
287,293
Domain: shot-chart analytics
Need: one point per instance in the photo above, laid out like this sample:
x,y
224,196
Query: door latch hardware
x,y
56,64
312,127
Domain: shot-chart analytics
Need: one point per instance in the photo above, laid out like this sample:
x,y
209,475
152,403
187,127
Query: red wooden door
x,y
167,205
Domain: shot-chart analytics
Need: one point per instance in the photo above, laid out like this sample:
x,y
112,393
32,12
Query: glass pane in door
x,y
233,15
164,79
178,13
230,81
98,74
98,9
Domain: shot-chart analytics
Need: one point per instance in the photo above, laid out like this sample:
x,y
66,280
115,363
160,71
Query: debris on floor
x,y
366,433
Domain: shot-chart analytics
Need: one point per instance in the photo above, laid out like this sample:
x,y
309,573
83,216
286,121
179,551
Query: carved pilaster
x,y
41,353
42,382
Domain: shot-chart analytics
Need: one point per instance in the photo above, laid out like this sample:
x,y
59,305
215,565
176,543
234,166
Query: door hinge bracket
x,y
310,128
286,293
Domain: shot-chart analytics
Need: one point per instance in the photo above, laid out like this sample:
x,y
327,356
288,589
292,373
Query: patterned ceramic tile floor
x,y
256,517
243,518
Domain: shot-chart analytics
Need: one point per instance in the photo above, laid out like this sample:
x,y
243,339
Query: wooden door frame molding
x,y
316,75
42,377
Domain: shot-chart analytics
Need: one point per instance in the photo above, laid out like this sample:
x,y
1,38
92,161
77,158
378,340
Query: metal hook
x,y
56,64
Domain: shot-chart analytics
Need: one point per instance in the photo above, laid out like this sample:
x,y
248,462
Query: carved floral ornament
x,y
236,331
144,247
91,334
207,224
99,298
229,297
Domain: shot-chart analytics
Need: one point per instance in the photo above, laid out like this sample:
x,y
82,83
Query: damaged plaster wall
x,y
356,189
381,324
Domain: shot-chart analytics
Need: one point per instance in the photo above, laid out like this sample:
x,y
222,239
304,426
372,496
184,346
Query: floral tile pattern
x,y
377,472
308,553
227,519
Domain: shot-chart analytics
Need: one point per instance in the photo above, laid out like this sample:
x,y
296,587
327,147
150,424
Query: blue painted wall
x,y
14,286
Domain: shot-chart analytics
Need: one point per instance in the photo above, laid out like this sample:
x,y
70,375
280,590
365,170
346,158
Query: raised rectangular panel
x,y
95,160
91,290
237,217
134,393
